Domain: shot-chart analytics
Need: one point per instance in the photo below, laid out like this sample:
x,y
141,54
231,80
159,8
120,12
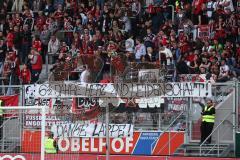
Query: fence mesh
x,y
70,119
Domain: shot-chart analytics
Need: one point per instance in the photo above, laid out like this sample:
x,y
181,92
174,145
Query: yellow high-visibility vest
x,y
1,110
49,146
208,118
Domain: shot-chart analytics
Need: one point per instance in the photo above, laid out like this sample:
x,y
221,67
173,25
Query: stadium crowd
x,y
61,32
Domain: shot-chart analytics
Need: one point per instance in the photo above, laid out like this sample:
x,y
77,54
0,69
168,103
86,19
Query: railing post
x,y
218,141
235,111
159,121
46,63
169,141
172,11
43,132
188,120
107,134
3,138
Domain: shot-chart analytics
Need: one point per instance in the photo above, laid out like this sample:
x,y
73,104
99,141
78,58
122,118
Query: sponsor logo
x,y
10,157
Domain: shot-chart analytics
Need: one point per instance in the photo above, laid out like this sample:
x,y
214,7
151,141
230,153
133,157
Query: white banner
x,y
91,130
73,89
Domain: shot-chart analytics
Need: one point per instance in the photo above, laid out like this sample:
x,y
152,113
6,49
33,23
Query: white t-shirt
x,y
140,50
127,24
211,6
129,45
230,6
224,70
85,76
168,54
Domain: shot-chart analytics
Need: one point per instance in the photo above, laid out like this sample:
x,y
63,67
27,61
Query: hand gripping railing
x,y
169,135
216,128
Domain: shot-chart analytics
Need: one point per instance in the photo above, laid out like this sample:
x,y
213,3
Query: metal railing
x,y
220,93
218,151
169,136
214,130
6,135
77,62
147,72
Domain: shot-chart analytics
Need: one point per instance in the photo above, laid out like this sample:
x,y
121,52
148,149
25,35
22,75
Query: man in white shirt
x,y
85,76
129,44
211,7
53,48
168,54
140,50
127,23
227,5
224,72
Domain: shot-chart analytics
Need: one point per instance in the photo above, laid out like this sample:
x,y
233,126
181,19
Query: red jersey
x,y
10,37
38,64
25,76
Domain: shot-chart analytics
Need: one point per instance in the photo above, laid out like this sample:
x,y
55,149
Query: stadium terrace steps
x,y
209,150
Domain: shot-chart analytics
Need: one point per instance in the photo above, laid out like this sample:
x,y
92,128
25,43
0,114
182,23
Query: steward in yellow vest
x,y
50,145
1,110
208,119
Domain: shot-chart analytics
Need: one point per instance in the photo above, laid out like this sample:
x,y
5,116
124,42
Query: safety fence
x,y
72,69
136,127
120,69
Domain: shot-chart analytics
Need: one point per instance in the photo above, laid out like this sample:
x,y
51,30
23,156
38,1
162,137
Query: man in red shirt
x,y
25,75
36,64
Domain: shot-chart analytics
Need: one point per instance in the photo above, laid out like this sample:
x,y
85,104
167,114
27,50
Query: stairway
x,y
207,150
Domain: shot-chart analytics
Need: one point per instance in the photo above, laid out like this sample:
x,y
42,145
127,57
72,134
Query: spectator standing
x,y
85,76
41,20
3,50
53,48
166,56
48,9
211,7
151,55
127,23
26,43
36,65
140,49
25,75
129,44
226,4
17,37
182,67
148,40
224,72
17,5
44,37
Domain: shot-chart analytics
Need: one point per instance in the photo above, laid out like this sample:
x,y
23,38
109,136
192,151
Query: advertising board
x,y
141,143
